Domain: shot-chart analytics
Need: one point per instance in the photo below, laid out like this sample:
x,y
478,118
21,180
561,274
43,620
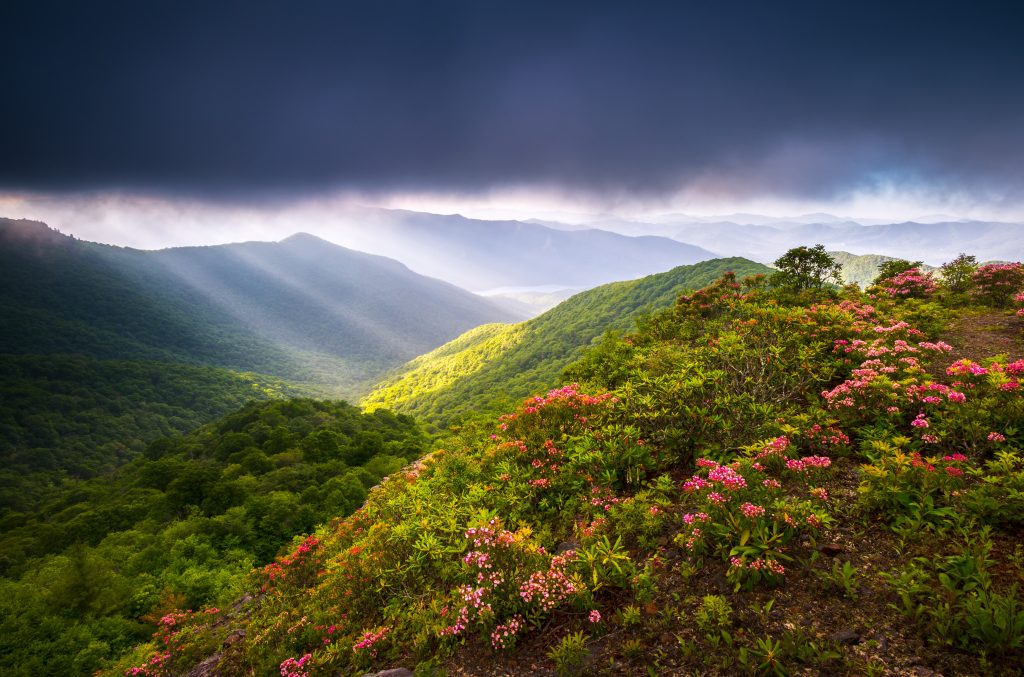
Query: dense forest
x,y
73,417
89,572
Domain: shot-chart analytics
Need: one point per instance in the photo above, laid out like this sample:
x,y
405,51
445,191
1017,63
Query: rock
x,y
208,668
845,636
234,637
393,672
566,546
831,549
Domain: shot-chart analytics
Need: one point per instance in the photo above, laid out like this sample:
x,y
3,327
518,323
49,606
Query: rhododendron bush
x,y
996,284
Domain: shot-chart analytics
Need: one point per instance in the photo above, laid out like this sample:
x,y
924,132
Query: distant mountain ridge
x,y
934,243
482,255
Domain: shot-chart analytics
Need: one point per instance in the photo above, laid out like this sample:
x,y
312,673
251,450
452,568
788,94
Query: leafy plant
x,y
842,578
568,655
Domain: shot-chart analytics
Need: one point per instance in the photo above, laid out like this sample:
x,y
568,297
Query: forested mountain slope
x,y
493,366
301,309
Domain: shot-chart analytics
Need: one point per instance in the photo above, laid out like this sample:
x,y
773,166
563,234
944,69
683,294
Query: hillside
x,y
493,366
482,255
861,269
73,417
301,309
745,485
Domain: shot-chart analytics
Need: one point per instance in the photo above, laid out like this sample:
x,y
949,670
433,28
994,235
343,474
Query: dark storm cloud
x,y
805,99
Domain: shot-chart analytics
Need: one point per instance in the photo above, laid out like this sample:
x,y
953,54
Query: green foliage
x,y
73,417
712,444
714,614
863,269
893,267
841,577
956,274
491,367
805,268
568,655
955,599
182,524
998,496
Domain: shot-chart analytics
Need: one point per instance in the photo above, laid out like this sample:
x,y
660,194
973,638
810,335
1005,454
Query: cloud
x,y
253,101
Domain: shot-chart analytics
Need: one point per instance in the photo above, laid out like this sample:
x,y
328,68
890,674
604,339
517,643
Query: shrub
x,y
996,284
911,283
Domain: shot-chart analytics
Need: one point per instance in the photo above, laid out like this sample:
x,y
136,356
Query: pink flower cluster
x,y
751,511
997,283
549,588
504,634
761,564
370,639
292,667
910,283
808,463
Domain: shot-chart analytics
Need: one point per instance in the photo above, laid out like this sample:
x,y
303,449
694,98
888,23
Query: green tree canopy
x,y
893,267
806,268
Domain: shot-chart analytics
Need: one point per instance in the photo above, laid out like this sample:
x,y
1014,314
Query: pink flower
x,y
750,510
996,437
595,616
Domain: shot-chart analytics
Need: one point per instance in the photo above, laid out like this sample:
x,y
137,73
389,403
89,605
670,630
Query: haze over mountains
x,y
302,309
934,239
483,255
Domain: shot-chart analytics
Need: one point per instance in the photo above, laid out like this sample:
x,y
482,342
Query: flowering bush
x,y
889,378
507,583
898,482
910,283
996,284
743,513
987,409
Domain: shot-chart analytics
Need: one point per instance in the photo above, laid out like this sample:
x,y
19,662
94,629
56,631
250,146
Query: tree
x,y
893,267
956,274
806,268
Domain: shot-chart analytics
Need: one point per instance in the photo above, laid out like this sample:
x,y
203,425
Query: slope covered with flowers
x,y
750,483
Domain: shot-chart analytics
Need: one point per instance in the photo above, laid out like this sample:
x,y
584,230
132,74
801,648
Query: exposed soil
x,y
982,335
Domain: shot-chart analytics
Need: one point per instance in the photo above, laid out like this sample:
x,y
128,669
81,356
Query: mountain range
x,y
934,243
483,255
301,309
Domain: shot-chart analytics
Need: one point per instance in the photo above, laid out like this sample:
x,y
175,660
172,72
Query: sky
x,y
244,113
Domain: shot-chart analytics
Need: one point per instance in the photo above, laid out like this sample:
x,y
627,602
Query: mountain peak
x,y
303,237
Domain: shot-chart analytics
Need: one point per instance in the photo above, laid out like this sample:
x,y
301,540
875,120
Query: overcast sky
x,y
593,106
